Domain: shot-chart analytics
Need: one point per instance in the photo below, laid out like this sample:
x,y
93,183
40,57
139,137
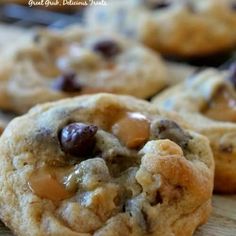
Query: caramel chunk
x,y
133,130
222,107
78,139
45,185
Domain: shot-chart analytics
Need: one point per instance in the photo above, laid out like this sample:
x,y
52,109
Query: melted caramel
x,y
133,130
222,107
44,183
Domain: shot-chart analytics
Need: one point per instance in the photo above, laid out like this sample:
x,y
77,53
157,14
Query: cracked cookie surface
x,y
99,164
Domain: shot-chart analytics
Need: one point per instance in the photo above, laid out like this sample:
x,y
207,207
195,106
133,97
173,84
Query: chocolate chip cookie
x,y
207,101
184,28
77,61
99,164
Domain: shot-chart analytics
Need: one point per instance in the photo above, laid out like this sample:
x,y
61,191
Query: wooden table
x,y
223,219
221,223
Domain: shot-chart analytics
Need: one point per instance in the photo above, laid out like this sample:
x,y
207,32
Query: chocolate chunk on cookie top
x,y
99,164
78,138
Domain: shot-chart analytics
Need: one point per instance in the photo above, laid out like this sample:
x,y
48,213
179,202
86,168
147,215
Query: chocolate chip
x,y
233,6
159,4
78,139
107,48
67,83
232,75
227,149
167,129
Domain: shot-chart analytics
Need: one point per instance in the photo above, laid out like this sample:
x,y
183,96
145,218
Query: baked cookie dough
x,y
207,101
77,61
184,28
99,164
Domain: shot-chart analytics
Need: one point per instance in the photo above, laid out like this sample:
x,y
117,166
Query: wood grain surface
x,y
221,223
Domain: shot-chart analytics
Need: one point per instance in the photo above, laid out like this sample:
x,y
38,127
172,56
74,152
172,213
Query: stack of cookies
x,y
102,143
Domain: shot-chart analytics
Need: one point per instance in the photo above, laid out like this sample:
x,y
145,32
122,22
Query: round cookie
x,y
207,101
99,164
77,61
184,28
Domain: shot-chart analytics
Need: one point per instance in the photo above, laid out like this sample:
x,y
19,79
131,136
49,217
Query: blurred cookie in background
x,y
184,29
75,61
9,35
207,101
178,72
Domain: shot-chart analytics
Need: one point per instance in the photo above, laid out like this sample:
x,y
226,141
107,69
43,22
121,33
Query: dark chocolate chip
x,y
233,6
67,83
107,48
159,5
78,139
167,129
156,4
232,75
227,149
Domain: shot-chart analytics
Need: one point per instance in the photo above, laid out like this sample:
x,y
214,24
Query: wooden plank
x,y
223,219
221,223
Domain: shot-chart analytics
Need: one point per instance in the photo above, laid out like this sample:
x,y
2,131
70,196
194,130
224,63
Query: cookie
x,y
207,101
184,29
77,61
99,164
